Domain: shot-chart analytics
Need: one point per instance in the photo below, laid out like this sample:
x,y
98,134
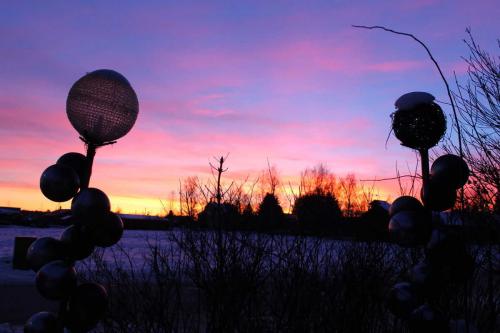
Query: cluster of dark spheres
x,y
92,224
419,123
446,261
410,223
414,299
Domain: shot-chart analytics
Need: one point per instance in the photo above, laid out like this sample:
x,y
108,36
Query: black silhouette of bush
x,y
317,210
206,281
270,213
248,217
223,215
375,222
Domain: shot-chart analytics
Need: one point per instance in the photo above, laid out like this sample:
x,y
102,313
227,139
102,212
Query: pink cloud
x,y
396,66
213,113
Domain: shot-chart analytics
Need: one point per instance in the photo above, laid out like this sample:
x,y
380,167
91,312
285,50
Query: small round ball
x,y
78,242
86,306
409,228
450,169
89,203
438,196
59,183
402,299
107,230
77,162
405,202
43,322
56,280
44,250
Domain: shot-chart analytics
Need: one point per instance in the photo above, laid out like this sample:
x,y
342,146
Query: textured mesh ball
x,y
420,127
419,123
102,106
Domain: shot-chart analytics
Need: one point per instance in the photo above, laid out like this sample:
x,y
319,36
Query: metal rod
x,y
424,161
91,148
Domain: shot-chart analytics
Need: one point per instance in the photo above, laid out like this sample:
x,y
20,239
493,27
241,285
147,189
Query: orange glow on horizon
x,y
31,198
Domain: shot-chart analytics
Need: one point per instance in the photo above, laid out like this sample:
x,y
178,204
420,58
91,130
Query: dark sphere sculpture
x,y
106,230
402,299
405,202
56,280
44,250
75,161
43,322
450,170
438,196
59,183
418,122
102,106
89,203
78,242
409,228
86,306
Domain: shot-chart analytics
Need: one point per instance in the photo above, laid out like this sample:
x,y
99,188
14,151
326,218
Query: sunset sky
x,y
287,81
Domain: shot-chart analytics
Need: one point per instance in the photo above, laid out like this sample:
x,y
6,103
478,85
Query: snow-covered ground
x,y
134,242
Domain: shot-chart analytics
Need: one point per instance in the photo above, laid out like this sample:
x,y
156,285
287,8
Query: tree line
x,y
319,198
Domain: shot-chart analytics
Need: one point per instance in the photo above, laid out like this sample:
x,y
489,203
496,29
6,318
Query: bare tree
x,y
273,176
241,193
215,189
189,197
317,179
478,107
348,194
269,182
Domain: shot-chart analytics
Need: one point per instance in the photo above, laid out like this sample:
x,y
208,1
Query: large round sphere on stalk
x,y
56,280
86,306
409,228
75,161
43,322
78,243
89,203
450,170
102,106
418,122
44,250
59,183
106,230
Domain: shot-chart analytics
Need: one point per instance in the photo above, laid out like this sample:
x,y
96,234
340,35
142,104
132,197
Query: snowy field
x,y
134,242
134,245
